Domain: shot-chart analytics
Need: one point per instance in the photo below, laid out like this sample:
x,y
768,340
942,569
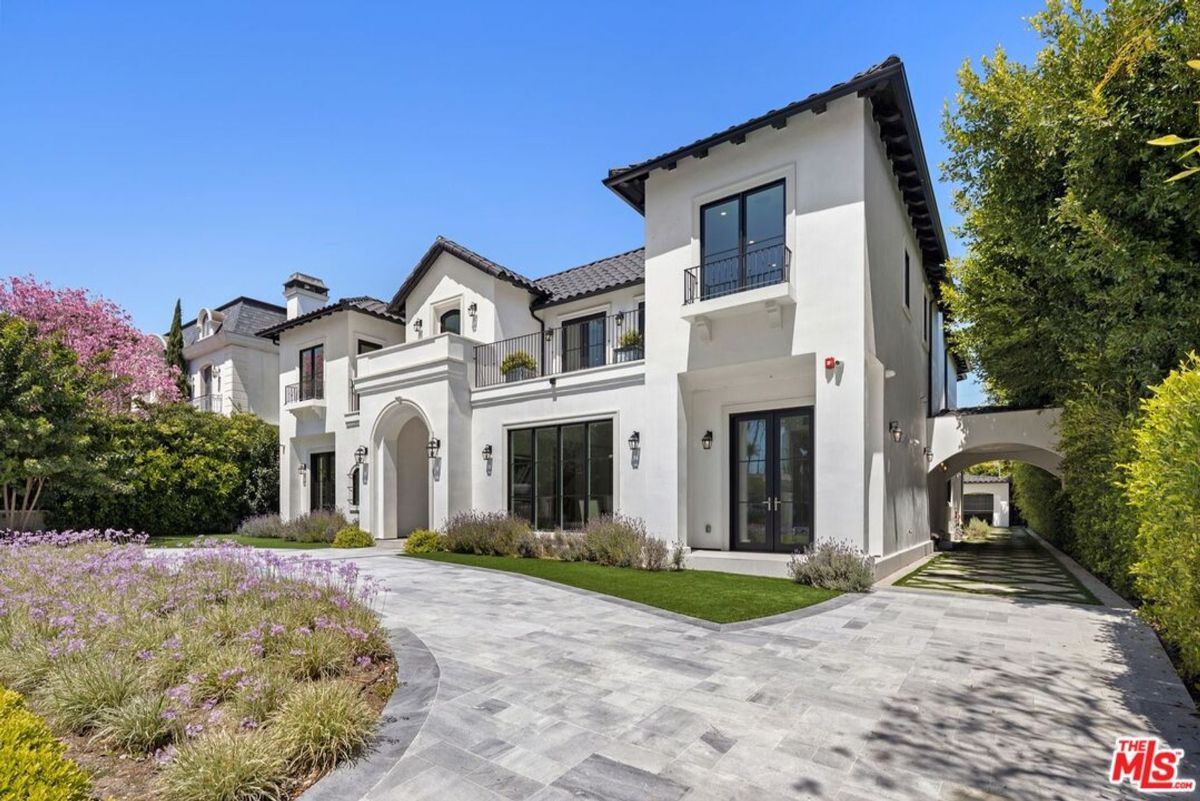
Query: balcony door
x,y
312,373
742,242
583,343
771,487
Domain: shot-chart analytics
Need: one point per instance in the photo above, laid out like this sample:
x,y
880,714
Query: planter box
x,y
519,374
630,354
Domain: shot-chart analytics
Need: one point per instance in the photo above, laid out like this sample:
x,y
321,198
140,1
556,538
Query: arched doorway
x,y
400,495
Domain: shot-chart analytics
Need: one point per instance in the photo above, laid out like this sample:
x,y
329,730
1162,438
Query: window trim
x,y
442,321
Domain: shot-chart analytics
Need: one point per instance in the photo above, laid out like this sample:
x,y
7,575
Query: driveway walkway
x,y
548,694
1008,563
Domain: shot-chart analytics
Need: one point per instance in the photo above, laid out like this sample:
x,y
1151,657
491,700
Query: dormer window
x,y
450,322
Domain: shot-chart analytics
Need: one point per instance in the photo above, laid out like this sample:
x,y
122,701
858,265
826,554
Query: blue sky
x,y
151,151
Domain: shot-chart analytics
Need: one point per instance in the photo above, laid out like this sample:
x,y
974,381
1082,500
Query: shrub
x,y
484,533
1039,496
1163,487
529,545
265,526
678,556
631,339
654,554
32,765
569,546
352,537
173,470
517,360
615,540
321,724
977,529
141,725
424,541
833,566
320,526
226,766
78,692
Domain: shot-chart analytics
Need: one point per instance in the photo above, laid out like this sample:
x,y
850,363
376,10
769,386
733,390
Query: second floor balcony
x,y
306,389
207,403
759,264
578,344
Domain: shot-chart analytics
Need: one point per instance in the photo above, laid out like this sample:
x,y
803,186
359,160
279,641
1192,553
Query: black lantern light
x,y
896,431
706,441
635,441
433,447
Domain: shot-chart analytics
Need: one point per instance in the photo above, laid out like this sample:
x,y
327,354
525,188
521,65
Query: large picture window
x,y
561,476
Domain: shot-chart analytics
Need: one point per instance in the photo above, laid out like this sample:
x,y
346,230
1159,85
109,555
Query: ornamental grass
x,y
186,661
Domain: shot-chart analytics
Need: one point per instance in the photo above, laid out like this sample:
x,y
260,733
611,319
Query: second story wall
x,y
502,309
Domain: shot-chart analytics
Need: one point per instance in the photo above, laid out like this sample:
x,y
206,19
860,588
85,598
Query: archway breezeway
x,y
401,495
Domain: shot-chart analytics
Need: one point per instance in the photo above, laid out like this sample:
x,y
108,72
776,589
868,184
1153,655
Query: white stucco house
x,y
231,369
761,374
986,497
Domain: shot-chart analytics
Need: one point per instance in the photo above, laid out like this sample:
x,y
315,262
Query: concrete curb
x,y
741,625
400,721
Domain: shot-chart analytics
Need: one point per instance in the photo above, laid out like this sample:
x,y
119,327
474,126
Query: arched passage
x,y
400,496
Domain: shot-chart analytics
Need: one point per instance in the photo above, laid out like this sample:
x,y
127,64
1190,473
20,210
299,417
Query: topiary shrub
x,y
32,765
1163,487
424,541
833,566
352,537
615,540
484,533
321,526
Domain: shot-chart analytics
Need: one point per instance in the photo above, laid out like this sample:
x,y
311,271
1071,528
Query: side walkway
x,y
551,695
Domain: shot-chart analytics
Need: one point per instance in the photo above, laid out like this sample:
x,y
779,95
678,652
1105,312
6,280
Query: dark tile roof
x,y
444,245
623,269
360,303
887,86
243,315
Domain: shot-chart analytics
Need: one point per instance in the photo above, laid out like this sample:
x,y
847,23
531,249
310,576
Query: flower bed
x,y
219,672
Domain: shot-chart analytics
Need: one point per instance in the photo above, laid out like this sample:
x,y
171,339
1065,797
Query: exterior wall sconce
x,y
896,431
928,455
303,471
418,325
473,309
706,441
360,454
433,447
487,453
635,441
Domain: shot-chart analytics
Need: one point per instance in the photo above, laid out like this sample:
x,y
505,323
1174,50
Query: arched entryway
x,y
400,496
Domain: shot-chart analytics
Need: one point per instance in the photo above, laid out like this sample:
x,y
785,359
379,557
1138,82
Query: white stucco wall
x,y
245,373
999,492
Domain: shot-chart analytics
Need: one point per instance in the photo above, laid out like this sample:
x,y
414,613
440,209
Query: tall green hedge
x,y
1163,487
174,470
1039,496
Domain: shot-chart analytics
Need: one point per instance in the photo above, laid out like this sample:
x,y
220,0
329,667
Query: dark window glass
x,y
312,372
451,322
583,343
907,279
321,482
561,476
366,347
742,241
355,478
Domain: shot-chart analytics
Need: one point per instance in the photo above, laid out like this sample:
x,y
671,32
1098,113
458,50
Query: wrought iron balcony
x,y
732,271
308,389
207,403
579,345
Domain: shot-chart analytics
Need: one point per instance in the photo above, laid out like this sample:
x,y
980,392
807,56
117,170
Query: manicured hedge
x,y
32,765
174,470
1164,488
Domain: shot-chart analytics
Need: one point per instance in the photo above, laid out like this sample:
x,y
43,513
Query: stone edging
x,y
1105,594
783,617
400,721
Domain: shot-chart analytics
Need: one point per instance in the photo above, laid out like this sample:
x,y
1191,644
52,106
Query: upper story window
x,y
907,280
742,242
925,318
312,373
450,322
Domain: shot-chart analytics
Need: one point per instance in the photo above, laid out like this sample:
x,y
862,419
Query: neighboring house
x,y
759,377
230,369
986,497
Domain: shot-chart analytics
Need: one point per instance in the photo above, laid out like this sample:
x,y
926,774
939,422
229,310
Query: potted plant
x,y
629,347
518,366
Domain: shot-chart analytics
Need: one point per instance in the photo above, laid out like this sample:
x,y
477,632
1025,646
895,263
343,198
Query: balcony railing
x,y
578,345
308,389
207,403
732,271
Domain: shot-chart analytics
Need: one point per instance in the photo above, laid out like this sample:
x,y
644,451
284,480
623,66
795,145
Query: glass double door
x,y
772,480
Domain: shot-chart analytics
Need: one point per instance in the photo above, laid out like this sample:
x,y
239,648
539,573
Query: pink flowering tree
x,y
101,334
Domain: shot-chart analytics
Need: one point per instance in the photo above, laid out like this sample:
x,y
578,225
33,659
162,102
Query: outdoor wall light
x,y
928,455
417,326
487,453
473,309
706,440
360,454
635,441
303,471
433,447
896,431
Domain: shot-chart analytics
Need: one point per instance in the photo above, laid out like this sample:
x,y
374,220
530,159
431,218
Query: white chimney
x,y
304,293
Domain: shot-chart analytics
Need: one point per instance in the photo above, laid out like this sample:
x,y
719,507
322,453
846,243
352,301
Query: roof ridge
x,y
591,263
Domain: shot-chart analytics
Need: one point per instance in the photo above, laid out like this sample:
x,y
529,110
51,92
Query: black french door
x,y
771,470
321,482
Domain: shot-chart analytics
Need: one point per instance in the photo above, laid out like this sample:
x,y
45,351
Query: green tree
x,y
175,352
1192,154
44,417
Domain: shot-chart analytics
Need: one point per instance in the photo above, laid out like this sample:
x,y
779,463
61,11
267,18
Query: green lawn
x,y
183,541
719,597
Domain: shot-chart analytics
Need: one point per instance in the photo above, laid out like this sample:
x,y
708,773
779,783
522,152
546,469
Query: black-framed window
x,y
583,342
321,483
907,280
925,319
450,322
367,346
561,476
742,241
312,372
355,480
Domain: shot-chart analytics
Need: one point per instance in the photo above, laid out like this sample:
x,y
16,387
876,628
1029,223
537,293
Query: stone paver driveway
x,y
1008,563
548,694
